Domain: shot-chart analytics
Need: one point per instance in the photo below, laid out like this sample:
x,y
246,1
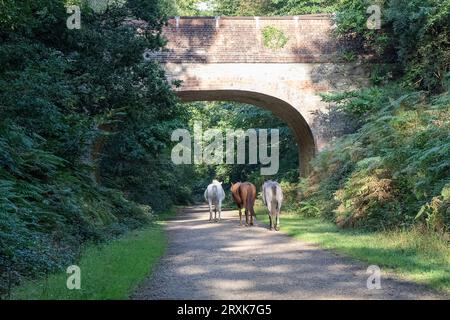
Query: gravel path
x,y
224,261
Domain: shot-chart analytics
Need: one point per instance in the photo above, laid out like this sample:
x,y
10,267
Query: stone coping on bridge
x,y
322,16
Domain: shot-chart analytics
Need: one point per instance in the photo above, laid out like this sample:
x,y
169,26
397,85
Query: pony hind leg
x,y
277,224
210,212
270,222
270,216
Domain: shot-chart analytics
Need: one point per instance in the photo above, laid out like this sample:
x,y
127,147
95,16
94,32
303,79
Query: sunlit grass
x,y
411,255
108,271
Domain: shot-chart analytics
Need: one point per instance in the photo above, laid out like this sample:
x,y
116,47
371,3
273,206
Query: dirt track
x,y
224,261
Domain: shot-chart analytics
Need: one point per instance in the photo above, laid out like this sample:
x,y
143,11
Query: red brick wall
x,y
240,40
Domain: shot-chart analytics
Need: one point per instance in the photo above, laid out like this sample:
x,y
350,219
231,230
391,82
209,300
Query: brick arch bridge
x,y
227,59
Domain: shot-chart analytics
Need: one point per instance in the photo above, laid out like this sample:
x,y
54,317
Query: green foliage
x,y
48,210
349,56
192,7
361,105
296,7
415,33
62,94
422,34
234,116
394,171
109,271
274,38
273,7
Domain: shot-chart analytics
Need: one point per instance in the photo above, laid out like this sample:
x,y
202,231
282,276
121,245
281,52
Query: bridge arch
x,y
282,109
227,58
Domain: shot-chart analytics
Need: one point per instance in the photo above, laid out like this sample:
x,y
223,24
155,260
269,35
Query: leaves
x,y
392,171
59,90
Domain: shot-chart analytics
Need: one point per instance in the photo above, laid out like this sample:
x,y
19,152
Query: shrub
x,y
274,38
393,172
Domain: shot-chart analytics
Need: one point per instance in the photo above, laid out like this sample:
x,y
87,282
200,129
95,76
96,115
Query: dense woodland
x,y
65,93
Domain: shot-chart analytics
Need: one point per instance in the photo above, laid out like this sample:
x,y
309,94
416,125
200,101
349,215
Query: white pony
x,y
273,197
214,195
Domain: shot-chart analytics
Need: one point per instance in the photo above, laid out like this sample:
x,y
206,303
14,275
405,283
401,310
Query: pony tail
x,y
274,193
215,193
263,195
274,190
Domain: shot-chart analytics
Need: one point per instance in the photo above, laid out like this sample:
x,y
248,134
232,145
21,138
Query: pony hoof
x,y
277,229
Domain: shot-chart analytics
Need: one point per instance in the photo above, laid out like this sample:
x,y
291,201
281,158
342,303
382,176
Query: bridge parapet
x,y
301,39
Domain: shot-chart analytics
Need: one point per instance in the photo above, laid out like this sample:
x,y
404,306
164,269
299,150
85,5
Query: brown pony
x,y
244,194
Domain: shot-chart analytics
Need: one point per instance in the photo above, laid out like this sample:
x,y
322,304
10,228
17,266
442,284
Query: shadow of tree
x,y
224,261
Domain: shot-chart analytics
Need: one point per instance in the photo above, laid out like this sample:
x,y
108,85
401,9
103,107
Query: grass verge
x,y
410,255
109,271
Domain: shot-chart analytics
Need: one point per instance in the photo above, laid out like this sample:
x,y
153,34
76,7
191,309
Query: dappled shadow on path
x,y
225,261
